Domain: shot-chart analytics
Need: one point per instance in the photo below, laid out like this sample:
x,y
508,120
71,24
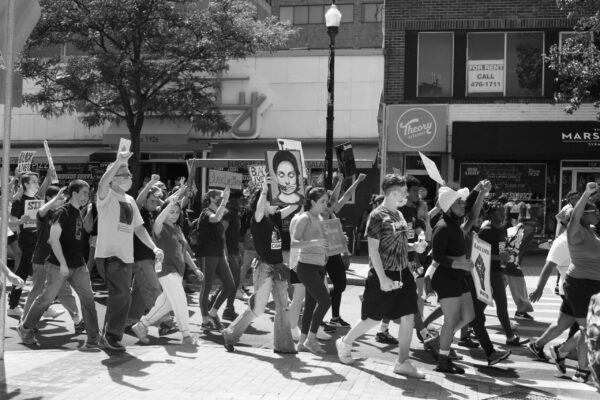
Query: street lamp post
x,y
333,17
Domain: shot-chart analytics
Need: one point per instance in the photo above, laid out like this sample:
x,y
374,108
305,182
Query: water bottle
x,y
157,266
422,236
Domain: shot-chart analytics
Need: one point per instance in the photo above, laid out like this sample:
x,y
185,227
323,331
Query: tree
x,y
140,58
577,62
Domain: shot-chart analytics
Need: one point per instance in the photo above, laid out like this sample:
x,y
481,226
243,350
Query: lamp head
x,y
333,17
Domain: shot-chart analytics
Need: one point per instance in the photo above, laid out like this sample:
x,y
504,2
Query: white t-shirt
x,y
559,255
118,216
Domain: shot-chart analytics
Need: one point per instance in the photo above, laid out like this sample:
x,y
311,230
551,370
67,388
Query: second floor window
x,y
435,64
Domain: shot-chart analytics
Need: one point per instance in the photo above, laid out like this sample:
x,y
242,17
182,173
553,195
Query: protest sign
x,y
286,144
50,163
345,157
222,179
481,255
334,233
124,145
287,185
258,173
24,163
432,169
31,209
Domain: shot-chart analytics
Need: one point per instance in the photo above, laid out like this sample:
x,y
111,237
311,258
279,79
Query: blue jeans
x,y
264,285
79,278
146,290
117,275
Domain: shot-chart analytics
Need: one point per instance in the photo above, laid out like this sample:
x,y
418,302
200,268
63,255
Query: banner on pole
x,y
481,255
24,162
50,164
334,233
345,157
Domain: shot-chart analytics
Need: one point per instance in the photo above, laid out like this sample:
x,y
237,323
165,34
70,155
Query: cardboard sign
x,y
31,209
286,144
24,163
50,163
345,157
485,76
432,169
287,185
258,173
124,145
222,179
191,165
334,233
481,255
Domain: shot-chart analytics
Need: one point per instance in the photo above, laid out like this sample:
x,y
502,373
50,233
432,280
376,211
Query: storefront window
x,y
435,64
505,64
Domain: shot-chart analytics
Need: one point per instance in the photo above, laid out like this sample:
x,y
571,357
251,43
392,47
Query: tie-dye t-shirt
x,y
390,228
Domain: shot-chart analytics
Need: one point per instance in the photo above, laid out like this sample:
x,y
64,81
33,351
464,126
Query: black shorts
x,y
392,305
565,308
294,280
578,293
449,283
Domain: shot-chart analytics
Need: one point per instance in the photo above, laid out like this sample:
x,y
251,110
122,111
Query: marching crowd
x,y
143,247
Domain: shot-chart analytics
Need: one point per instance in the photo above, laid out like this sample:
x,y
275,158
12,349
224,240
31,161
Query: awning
x,y
243,153
60,155
155,133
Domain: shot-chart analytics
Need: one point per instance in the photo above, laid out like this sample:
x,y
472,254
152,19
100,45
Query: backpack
x,y
197,233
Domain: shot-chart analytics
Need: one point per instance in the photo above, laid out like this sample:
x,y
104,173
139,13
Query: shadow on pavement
x,y
135,368
4,393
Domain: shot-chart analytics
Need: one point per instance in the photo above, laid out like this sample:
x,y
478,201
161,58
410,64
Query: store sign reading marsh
x,y
485,76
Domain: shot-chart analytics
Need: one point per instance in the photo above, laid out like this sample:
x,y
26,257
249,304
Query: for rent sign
x,y
485,76
416,128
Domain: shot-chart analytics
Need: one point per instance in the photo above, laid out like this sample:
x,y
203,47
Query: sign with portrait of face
x,y
285,169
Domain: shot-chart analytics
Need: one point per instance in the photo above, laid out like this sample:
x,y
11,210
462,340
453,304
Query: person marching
x,y
390,290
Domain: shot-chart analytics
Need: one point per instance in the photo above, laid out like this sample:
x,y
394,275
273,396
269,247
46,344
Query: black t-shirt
x,y
286,239
496,237
140,250
232,234
267,238
212,243
410,216
27,236
71,236
42,248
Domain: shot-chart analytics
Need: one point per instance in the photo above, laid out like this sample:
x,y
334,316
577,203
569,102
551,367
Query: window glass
x,y
347,11
316,15
524,63
286,14
435,65
373,12
485,64
300,15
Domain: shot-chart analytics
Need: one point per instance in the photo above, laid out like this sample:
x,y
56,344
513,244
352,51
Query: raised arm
x,y
217,216
143,195
48,206
574,223
337,206
46,183
482,190
104,184
259,213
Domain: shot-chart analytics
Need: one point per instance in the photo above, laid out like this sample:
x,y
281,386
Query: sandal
x,y
581,375
558,360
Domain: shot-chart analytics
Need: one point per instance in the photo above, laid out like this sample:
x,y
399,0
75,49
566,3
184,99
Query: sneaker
x,y
523,316
407,369
321,335
385,337
109,343
296,334
164,329
141,331
581,375
241,295
344,352
229,314
537,351
468,343
314,346
432,343
92,344
190,340
27,336
79,327
498,356
559,361
227,342
328,327
453,356
446,366
516,341
53,312
216,323
301,348
339,322
15,312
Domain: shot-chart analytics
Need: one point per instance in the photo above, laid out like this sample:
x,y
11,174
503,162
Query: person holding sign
x,y
390,290
289,178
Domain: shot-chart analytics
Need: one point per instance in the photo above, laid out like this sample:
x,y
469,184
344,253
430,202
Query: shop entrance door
x,y
576,174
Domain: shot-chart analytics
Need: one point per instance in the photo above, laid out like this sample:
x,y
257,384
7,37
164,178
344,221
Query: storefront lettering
x,y
413,129
249,113
583,136
416,128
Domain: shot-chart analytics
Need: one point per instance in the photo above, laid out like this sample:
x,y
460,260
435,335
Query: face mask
x,y
125,186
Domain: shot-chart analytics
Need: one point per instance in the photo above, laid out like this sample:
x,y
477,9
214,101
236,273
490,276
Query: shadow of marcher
x,y
285,364
118,371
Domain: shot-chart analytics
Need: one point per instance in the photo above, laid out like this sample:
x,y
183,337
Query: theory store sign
x,y
416,128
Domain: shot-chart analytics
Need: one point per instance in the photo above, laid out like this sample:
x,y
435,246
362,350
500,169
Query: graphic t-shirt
x,y
118,216
71,237
496,237
42,248
212,243
412,221
140,250
28,234
390,228
267,238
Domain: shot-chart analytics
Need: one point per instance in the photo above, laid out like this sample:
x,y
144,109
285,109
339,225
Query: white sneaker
x,y
314,346
15,312
190,340
53,312
322,335
141,332
344,352
407,369
296,334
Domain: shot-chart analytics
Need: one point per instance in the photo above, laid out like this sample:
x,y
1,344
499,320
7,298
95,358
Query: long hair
x,y
314,194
